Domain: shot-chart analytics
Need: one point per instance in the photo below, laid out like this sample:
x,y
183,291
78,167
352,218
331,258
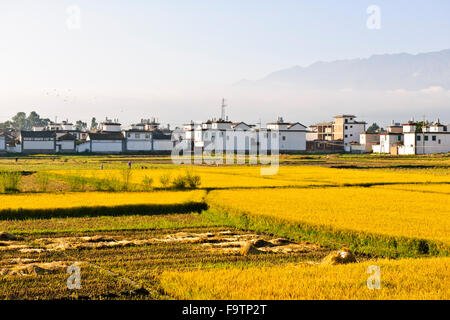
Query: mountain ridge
x,y
391,71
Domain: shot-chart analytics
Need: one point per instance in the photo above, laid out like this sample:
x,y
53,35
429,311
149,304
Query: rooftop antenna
x,y
223,109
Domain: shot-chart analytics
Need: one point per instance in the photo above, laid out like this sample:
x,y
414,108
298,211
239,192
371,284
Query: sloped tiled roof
x,y
106,136
37,134
67,137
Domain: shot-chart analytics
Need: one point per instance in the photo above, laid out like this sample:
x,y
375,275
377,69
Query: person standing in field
x,y
129,164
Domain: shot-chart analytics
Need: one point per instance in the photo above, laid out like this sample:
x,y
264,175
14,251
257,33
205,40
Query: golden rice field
x,y
379,213
96,199
371,210
432,188
402,279
250,176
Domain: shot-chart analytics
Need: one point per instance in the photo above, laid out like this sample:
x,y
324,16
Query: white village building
x,y
162,140
292,136
227,136
38,141
66,143
138,140
2,142
106,142
434,138
390,140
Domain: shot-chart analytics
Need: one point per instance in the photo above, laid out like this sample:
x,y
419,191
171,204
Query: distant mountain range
x,y
379,72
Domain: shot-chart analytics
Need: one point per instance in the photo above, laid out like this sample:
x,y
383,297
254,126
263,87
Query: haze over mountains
x,y
379,72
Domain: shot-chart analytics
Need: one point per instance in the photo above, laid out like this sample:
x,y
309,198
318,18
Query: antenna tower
x,y
223,109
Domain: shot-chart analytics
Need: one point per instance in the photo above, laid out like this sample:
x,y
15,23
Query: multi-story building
x,y
336,135
347,129
434,138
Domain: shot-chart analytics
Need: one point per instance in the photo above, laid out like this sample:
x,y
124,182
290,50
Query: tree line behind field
x,y
22,121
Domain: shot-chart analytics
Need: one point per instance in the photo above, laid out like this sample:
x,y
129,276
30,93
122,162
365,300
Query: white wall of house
x,y
110,127
66,145
2,143
139,145
426,143
105,146
376,148
14,149
162,145
292,141
67,127
139,141
38,145
352,132
387,141
84,147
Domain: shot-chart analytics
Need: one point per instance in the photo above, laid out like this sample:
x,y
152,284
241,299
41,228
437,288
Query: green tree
x,y
20,122
6,125
373,128
94,124
33,119
80,125
420,125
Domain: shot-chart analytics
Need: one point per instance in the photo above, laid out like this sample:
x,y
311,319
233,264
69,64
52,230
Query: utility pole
x,y
223,109
423,135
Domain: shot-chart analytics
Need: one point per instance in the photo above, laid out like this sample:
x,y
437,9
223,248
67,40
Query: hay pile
x,y
342,256
35,269
248,249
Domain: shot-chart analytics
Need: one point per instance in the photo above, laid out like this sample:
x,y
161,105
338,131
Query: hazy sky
x,y
176,59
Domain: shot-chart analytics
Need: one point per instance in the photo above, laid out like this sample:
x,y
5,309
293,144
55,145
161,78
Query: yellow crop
x,y
96,199
250,176
433,188
372,210
402,279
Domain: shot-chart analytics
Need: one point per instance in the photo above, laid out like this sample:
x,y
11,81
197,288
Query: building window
x,y
346,127
439,142
284,138
147,136
351,126
426,138
433,138
346,120
418,138
399,138
129,135
137,136
346,136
